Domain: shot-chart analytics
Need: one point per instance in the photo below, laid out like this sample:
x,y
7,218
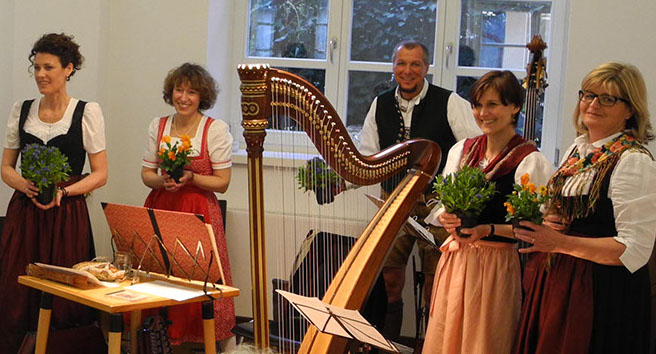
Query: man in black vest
x,y
414,109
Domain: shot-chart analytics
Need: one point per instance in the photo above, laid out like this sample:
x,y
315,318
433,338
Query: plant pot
x,y
324,195
516,225
176,174
467,221
45,195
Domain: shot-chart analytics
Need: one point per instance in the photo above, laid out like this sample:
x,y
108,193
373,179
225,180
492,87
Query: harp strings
x,y
300,213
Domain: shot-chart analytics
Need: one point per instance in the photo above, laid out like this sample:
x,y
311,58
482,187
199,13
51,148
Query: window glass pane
x,y
494,33
377,26
464,85
288,29
363,87
316,77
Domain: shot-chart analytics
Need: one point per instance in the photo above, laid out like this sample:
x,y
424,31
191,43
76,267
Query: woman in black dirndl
x,y
586,281
58,233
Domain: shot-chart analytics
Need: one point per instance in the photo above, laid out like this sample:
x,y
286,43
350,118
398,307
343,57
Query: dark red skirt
x,y
60,236
577,306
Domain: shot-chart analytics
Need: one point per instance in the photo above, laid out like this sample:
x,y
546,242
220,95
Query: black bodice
x,y
70,144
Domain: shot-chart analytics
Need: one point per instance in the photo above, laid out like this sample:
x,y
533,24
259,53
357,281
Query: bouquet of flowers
x,y
464,193
173,158
315,175
525,201
45,166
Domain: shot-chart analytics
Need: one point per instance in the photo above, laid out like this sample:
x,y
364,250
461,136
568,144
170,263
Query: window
x,y
344,47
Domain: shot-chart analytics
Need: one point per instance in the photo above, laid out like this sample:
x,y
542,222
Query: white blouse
x,y
219,143
632,191
93,126
535,164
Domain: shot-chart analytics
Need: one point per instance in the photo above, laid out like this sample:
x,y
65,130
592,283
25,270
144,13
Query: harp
x,y
266,92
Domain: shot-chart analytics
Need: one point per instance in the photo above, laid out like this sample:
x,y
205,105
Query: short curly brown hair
x,y
198,78
61,45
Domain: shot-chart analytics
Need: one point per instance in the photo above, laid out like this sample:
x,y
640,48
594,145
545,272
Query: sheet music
x,y
337,321
411,225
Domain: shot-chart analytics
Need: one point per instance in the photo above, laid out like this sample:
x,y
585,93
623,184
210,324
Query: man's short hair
x,y
412,44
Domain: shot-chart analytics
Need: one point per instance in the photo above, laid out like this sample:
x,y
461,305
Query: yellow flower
x,y
166,139
543,190
172,156
524,179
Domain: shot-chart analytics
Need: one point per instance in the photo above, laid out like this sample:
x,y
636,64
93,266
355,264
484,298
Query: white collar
x,y
415,100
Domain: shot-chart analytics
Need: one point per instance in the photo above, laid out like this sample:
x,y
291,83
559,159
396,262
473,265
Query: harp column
x,y
255,110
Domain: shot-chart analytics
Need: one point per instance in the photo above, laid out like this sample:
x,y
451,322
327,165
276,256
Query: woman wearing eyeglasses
x,y
586,282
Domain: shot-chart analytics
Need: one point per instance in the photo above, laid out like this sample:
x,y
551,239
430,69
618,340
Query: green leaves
x,y
44,165
315,174
525,201
466,190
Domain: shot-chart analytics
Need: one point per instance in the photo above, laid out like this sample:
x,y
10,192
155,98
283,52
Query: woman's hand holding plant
x,y
543,238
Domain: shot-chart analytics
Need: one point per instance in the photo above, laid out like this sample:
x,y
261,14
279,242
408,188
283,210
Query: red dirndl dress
x,y
186,321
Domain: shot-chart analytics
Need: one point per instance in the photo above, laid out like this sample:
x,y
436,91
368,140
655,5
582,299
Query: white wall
x,y
602,31
130,46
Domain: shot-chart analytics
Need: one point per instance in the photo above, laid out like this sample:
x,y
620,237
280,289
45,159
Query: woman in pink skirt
x,y
476,296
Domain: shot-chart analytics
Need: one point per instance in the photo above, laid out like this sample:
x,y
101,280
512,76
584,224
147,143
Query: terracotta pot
x,y
45,196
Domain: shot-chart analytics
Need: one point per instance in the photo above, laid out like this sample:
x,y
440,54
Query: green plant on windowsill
x,y
316,176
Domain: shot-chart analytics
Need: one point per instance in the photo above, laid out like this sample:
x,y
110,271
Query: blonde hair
x,y
625,81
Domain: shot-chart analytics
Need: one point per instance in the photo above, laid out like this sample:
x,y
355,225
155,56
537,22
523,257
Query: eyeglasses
x,y
603,99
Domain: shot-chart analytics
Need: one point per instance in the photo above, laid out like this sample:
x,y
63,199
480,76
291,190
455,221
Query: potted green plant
x,y
464,193
525,202
45,166
316,176
173,158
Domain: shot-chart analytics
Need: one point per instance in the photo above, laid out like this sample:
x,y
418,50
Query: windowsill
x,y
274,158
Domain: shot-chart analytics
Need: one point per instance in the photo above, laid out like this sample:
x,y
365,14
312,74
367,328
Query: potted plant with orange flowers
x,y
464,193
173,158
525,202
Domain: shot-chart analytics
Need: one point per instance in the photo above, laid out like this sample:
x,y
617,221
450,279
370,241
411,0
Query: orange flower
x,y
180,149
161,152
166,139
531,187
185,138
509,208
524,179
186,145
172,156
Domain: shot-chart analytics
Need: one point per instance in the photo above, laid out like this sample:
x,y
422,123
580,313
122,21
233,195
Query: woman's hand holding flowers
x,y
555,222
543,238
56,200
30,189
473,234
171,186
449,221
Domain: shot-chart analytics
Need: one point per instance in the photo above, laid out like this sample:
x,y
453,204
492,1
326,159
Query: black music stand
x,y
338,321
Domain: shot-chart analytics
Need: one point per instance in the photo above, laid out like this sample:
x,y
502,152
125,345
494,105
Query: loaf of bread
x,y
102,270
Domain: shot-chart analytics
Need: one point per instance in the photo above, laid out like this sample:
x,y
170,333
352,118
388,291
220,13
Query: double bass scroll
x,y
534,83
268,92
